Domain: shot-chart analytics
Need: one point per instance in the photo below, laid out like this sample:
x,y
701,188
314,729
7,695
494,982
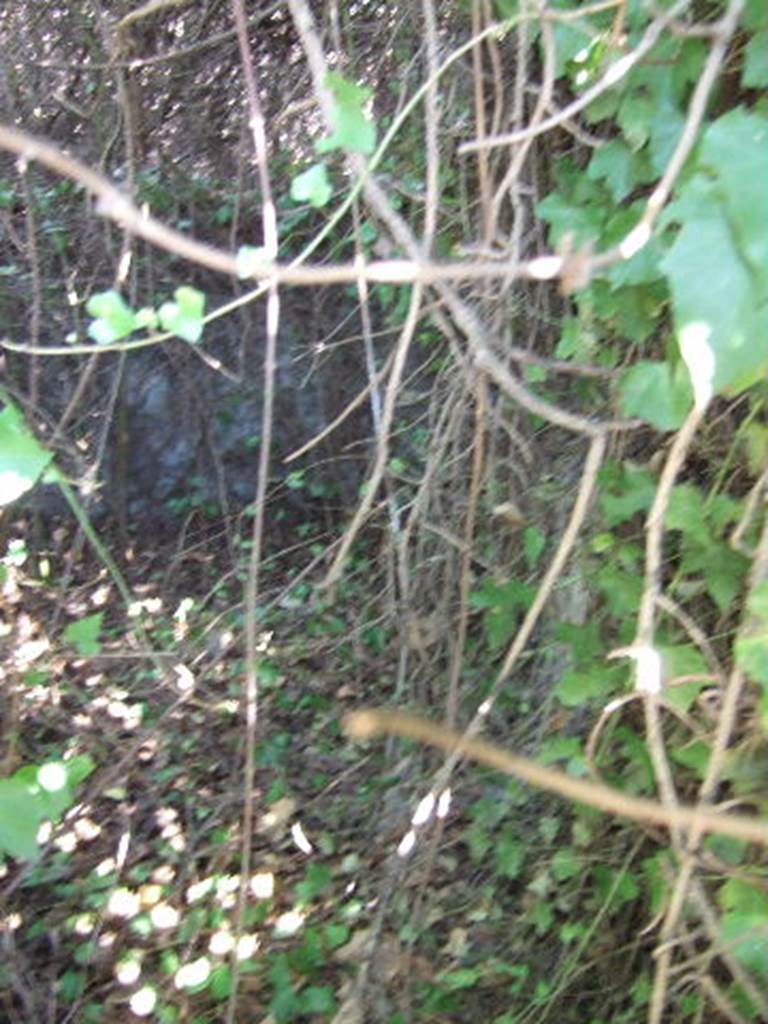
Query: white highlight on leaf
x,y
407,843
221,943
544,268
52,777
444,803
263,885
164,916
699,357
299,837
128,971
288,924
194,974
143,1002
423,812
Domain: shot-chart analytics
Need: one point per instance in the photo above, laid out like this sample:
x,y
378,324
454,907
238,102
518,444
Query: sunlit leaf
x,y
353,129
20,819
22,457
718,265
114,319
185,316
577,688
84,634
755,73
312,186
651,391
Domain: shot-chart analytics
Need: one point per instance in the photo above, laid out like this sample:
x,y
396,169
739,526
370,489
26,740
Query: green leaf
x,y
565,864
739,894
461,978
618,886
509,853
84,634
569,215
713,298
745,934
686,512
755,72
221,983
20,818
185,316
541,916
718,266
735,150
22,457
312,186
631,492
637,114
353,130
250,259
614,162
654,392
534,543
317,999
114,318
336,934
666,128
577,688
694,755
503,603
315,882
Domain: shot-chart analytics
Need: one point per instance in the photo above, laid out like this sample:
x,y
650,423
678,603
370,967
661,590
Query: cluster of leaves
x,y
709,260
184,317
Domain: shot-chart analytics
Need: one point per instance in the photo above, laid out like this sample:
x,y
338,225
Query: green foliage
x,y
34,794
185,317
84,634
22,458
656,392
744,925
114,319
312,186
502,604
353,129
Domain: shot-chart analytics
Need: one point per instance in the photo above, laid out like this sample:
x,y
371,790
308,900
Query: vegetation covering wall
x,y
388,374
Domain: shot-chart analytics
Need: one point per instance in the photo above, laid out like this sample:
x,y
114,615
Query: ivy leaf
x,y
656,393
714,300
566,215
114,317
666,128
745,934
718,266
318,999
312,186
755,72
22,457
84,634
735,150
185,316
577,688
509,853
633,491
20,819
250,260
686,512
353,130
614,163
503,603
637,114
752,645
